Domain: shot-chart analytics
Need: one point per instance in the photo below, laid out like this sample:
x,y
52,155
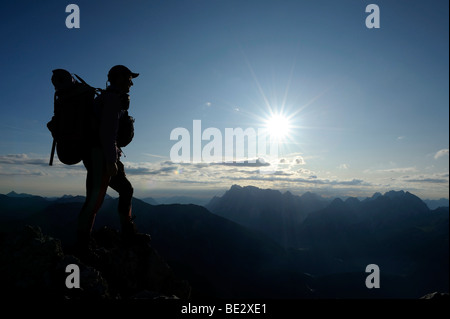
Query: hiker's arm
x,y
109,127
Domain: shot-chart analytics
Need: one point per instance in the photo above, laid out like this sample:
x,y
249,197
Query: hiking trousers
x,y
97,182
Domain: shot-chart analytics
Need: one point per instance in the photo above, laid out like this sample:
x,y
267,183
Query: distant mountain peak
x,y
436,203
352,200
337,201
376,195
402,195
235,187
395,194
14,194
268,210
250,190
311,196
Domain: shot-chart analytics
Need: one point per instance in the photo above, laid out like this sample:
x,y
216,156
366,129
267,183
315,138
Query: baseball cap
x,y
118,70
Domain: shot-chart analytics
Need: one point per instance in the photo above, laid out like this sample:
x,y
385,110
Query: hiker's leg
x,y
96,185
122,185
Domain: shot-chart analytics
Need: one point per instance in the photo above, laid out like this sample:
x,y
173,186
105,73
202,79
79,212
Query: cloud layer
x,y
289,173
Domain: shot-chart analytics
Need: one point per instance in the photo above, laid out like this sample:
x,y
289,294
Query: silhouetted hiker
x,y
102,161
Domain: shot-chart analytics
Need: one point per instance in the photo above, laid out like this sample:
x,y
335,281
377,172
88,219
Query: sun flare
x,y
278,126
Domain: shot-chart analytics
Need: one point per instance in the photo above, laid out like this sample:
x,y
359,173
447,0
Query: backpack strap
x,y
81,80
97,90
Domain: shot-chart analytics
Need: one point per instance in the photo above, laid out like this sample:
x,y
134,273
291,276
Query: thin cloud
x,y
393,170
272,178
253,163
162,168
169,163
154,155
428,180
22,173
307,172
146,171
441,153
185,181
282,173
22,159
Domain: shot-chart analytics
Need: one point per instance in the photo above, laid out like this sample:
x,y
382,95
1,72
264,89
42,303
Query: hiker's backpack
x,y
72,123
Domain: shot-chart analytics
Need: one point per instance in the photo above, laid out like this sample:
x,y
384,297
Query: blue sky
x,y
368,108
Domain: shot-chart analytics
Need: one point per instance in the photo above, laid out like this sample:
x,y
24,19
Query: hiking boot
x,y
84,241
85,249
130,235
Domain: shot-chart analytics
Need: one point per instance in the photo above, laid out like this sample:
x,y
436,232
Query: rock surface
x,y
33,265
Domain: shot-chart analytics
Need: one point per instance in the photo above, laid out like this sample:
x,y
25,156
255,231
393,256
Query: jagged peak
x,y
250,190
311,196
376,195
235,187
288,194
395,194
337,201
402,195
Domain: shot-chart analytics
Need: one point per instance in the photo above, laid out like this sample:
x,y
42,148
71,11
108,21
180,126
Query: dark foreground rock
x,y
437,296
33,265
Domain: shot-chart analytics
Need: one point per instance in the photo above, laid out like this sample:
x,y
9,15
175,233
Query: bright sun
x,y
278,126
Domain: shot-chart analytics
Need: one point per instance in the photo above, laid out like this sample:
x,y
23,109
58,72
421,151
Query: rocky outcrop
x,y
436,295
33,265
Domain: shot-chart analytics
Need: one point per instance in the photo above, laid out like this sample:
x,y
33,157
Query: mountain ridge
x,y
431,203
202,247
221,258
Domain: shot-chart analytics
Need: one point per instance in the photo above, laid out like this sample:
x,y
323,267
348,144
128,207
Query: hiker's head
x,y
121,77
